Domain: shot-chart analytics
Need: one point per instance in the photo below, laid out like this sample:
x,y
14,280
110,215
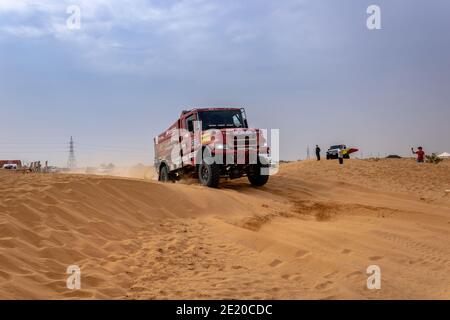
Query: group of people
x,y
37,167
420,154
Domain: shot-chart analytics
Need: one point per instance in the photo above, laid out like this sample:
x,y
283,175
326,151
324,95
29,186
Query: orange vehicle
x,y
212,143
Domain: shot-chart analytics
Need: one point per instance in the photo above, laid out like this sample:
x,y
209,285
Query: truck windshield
x,y
218,119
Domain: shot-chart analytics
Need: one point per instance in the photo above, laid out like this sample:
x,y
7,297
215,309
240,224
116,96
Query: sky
x,y
311,69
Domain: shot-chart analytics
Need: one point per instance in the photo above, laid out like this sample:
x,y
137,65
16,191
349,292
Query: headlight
x,y
220,146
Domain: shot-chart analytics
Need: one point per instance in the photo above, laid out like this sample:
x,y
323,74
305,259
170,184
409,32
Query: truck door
x,y
187,123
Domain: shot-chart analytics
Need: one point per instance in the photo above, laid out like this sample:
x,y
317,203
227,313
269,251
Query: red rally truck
x,y
212,143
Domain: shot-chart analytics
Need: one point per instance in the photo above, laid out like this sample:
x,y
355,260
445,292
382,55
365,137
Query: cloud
x,y
24,31
149,36
177,16
13,6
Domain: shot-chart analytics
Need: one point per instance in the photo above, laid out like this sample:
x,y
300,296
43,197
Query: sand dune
x,y
309,234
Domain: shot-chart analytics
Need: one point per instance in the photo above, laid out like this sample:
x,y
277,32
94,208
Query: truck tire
x,y
164,175
209,175
256,178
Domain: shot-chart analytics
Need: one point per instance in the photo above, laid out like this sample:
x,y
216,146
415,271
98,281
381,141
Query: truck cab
x,y
212,143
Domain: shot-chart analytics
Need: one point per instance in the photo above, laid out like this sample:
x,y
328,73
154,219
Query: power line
x,y
59,146
32,143
109,147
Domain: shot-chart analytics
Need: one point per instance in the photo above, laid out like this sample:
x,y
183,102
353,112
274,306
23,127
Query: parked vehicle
x,y
10,166
17,163
332,152
211,143
53,169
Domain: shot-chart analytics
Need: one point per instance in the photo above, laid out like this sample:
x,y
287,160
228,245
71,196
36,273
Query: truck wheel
x,y
256,178
164,174
209,175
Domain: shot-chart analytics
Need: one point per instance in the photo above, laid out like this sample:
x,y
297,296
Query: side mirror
x,y
190,126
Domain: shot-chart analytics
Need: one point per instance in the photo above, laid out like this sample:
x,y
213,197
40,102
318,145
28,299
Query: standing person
x,y
317,152
341,155
420,154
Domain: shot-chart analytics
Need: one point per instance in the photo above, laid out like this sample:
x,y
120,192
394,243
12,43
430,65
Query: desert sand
x,y
310,233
